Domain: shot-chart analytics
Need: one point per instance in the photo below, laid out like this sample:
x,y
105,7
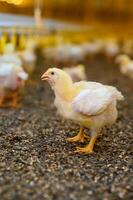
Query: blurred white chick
x,y
60,54
77,73
89,104
93,48
126,65
28,56
64,53
75,53
111,49
49,52
12,79
56,54
10,56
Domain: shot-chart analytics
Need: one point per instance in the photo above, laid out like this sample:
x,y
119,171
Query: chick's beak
x,y
45,76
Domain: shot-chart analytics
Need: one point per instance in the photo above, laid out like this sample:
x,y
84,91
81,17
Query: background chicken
x,y
126,65
93,48
88,104
10,56
12,79
75,53
77,73
28,56
111,49
127,47
65,53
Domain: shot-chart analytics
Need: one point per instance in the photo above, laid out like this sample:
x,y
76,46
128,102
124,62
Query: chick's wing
x,y
92,101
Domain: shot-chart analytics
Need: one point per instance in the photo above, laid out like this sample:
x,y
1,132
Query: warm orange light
x,y
18,2
15,2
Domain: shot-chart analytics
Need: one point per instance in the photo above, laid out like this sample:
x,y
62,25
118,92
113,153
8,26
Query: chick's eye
x,y
52,73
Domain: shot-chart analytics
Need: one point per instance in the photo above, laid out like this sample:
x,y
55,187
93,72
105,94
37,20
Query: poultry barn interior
x,y
91,40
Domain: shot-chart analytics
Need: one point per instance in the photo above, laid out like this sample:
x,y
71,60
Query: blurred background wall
x,y
115,15
81,11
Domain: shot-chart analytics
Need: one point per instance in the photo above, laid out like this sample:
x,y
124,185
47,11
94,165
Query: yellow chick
x,y
127,47
126,65
89,104
77,72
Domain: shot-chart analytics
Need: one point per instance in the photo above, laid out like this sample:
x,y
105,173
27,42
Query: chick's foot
x,y
2,102
14,103
85,150
81,137
78,138
89,148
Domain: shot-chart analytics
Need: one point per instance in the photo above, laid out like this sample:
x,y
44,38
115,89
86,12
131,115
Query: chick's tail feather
x,y
118,94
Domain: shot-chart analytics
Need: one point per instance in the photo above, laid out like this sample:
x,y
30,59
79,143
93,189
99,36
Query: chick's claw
x,y
86,137
75,139
85,150
78,138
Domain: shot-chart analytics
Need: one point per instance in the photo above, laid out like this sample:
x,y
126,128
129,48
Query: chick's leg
x,y
14,103
80,137
30,82
89,148
2,98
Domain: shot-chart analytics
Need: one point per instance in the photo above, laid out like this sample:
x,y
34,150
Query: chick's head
x,y
57,78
